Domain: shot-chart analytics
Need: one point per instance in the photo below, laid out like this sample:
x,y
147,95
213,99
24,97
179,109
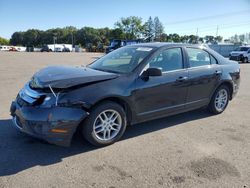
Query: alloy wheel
x,y
107,125
221,100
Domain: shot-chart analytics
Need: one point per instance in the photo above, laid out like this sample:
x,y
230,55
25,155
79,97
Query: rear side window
x,y
168,60
199,57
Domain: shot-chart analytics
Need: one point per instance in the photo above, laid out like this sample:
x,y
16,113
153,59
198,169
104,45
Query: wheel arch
x,y
123,103
227,83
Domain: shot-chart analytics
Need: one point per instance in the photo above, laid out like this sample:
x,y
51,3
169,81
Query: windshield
x,y
122,60
242,49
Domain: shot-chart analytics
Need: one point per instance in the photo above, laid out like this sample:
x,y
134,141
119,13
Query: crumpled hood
x,y
62,77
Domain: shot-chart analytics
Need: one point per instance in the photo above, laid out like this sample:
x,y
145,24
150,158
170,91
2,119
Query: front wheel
x,y
219,100
105,124
245,60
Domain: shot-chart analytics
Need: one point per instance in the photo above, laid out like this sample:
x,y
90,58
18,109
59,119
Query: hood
x,y
236,53
62,77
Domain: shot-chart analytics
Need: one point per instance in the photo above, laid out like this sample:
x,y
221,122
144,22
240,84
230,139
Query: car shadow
x,y
19,151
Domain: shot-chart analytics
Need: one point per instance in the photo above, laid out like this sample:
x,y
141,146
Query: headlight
x,y
47,98
34,83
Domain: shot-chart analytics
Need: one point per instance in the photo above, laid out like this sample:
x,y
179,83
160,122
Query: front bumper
x,y
56,125
236,58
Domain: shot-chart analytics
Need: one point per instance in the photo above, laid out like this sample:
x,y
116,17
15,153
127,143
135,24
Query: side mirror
x,y
152,71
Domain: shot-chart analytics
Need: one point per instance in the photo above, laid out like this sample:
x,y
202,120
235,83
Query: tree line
x,y
4,41
126,28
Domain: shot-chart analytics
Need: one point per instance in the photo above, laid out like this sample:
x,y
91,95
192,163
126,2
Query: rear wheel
x,y
105,124
219,100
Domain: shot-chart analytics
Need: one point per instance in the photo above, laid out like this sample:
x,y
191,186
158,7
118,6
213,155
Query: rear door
x,y
204,74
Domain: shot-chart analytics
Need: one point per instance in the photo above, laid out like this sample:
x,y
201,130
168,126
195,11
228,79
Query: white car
x,y
241,54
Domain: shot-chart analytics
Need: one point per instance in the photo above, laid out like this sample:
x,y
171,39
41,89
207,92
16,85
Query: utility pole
x,y
72,38
217,30
54,38
197,31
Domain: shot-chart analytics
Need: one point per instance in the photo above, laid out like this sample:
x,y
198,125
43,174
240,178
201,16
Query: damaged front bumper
x,y
56,124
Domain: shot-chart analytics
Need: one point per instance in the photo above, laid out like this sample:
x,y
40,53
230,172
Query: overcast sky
x,y
178,16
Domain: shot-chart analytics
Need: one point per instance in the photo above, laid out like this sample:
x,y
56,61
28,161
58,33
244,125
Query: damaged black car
x,y
130,85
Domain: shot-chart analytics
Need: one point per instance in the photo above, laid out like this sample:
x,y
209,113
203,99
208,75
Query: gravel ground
x,y
193,149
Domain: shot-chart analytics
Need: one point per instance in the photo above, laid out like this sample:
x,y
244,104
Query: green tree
x,y
131,26
174,38
149,30
17,38
184,38
201,39
117,34
4,41
87,35
193,39
209,39
31,37
158,29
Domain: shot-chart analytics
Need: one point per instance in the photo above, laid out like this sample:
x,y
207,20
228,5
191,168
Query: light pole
x,y
54,38
72,38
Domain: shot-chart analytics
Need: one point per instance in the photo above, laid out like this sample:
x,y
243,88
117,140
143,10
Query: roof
x,y
167,44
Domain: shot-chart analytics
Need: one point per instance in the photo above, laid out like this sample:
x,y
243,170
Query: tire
x,y
101,130
219,100
245,60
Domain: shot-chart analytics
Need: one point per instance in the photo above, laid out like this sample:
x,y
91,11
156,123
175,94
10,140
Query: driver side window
x,y
168,60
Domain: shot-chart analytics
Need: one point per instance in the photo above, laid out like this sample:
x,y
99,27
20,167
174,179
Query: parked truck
x,y
117,43
57,48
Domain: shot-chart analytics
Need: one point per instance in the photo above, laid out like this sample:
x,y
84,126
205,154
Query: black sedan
x,y
129,85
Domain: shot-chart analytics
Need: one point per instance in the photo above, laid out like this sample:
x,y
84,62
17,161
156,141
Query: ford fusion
x,y
130,85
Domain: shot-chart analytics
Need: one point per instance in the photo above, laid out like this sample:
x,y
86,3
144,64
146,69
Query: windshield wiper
x,y
106,70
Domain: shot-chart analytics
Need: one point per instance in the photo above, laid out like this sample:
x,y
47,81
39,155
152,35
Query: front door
x,y
161,95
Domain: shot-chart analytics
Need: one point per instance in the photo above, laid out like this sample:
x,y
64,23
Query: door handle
x,y
181,78
218,72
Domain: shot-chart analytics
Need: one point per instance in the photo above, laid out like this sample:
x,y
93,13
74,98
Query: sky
x,y
178,16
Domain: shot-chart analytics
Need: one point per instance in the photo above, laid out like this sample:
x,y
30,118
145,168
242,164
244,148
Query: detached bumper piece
x,y
56,125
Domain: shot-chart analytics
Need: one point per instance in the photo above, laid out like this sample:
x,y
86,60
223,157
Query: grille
x,y
236,58
21,102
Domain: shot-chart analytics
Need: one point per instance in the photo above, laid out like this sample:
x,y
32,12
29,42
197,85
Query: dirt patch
x,y
229,130
213,168
98,168
178,179
236,138
123,174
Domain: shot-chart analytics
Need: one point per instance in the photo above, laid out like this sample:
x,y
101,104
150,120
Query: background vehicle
x,y
56,48
241,54
13,49
4,48
117,43
129,85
